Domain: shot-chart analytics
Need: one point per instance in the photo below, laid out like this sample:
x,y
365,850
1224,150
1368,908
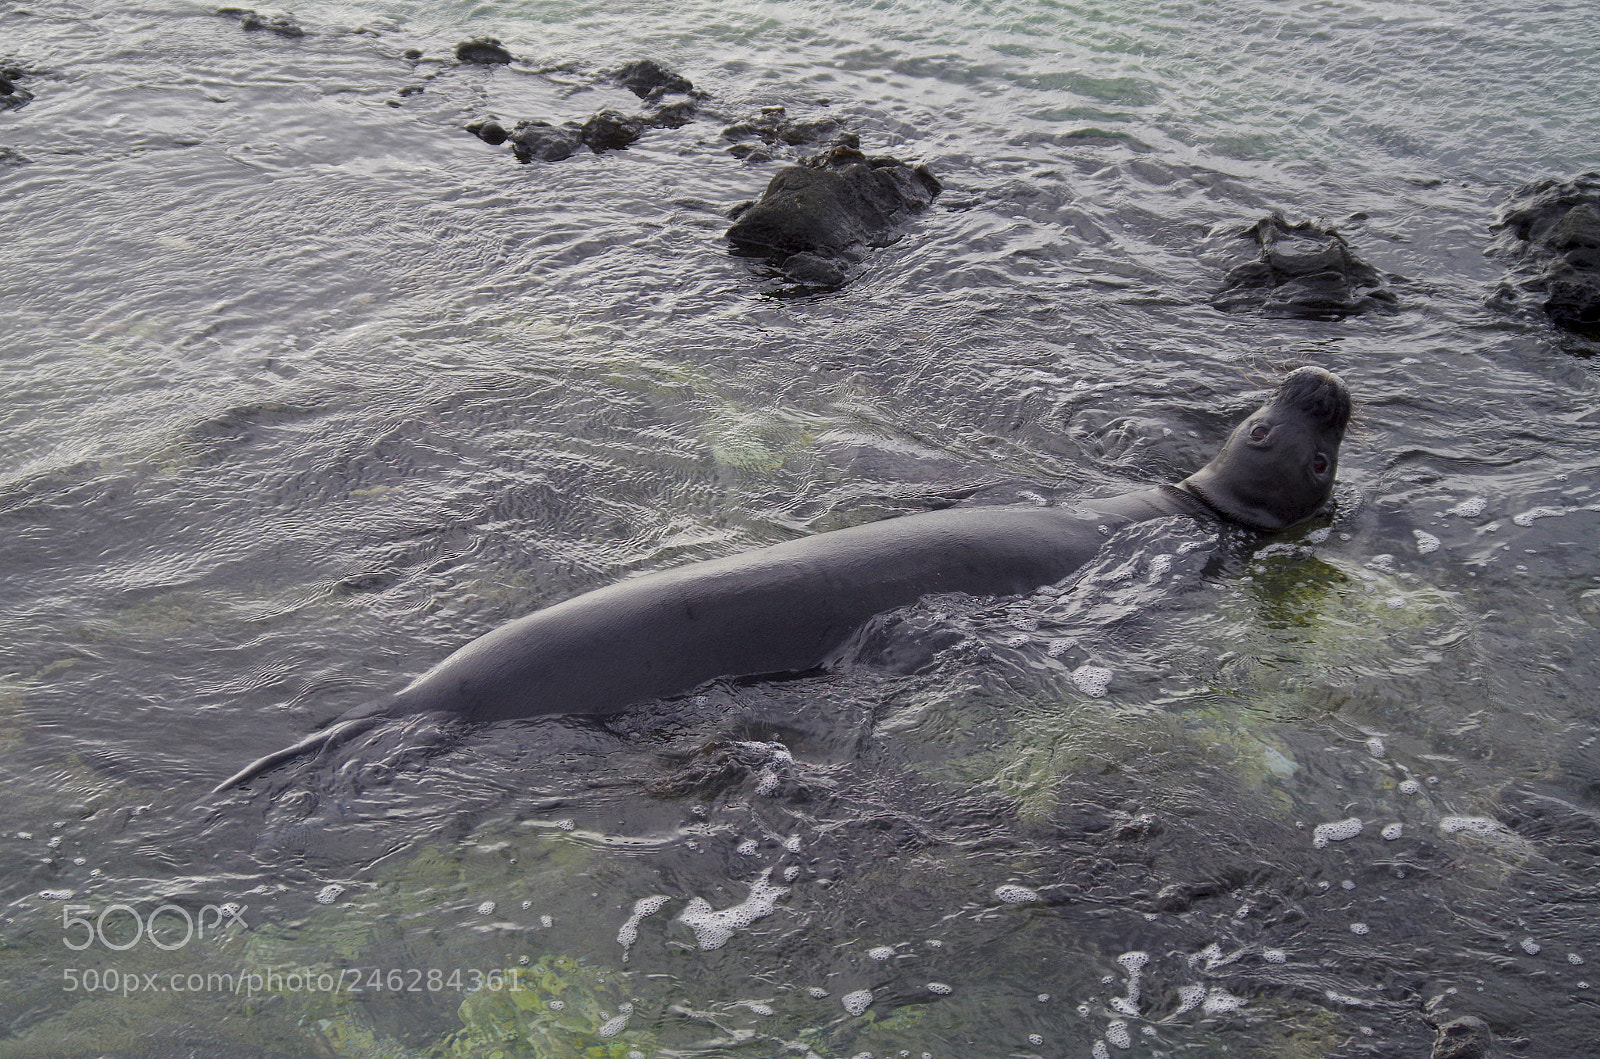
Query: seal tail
x,y
330,736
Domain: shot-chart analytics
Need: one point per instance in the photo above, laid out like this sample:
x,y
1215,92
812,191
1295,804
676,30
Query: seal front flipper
x,y
333,735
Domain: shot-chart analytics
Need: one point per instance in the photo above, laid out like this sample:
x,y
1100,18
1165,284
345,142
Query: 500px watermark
x,y
294,980
120,927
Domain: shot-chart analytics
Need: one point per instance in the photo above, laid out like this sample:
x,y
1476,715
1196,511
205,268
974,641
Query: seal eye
x,y
1319,464
1259,432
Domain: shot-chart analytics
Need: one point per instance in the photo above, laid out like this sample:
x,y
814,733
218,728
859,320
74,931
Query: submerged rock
x,y
1302,270
543,142
1464,1038
812,212
489,131
1552,229
483,50
610,130
12,95
282,25
774,127
649,79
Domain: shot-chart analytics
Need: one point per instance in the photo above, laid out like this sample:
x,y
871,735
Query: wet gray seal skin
x,y
788,607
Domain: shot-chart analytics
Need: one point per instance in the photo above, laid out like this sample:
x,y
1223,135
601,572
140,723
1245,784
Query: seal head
x,y
1277,467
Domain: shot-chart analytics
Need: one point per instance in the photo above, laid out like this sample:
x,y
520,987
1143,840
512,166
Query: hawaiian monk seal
x,y
788,607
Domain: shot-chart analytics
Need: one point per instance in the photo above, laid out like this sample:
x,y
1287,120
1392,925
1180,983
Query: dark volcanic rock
x,y
1464,1038
674,115
610,131
647,78
282,25
541,141
484,50
773,126
1302,270
830,202
12,95
1552,230
489,131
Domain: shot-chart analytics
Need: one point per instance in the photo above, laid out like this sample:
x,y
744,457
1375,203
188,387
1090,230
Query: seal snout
x,y
1318,393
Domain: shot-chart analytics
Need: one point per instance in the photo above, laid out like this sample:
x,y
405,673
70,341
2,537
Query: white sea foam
x,y
1409,786
857,1002
1526,518
1471,507
939,987
1012,894
644,906
713,928
1531,947
1392,831
1472,825
329,894
1376,747
1219,1001
1117,1033
1426,542
1337,831
613,1026
1093,681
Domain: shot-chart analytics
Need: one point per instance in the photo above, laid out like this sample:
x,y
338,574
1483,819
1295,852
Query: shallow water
x,y
305,387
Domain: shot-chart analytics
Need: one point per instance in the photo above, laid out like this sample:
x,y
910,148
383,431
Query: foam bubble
x,y
1117,1033
1337,831
1219,1001
612,1027
1531,947
1574,959
1012,894
748,847
56,895
1093,681
1527,517
1100,1051
1471,507
816,993
486,909
1274,955
1426,542
1409,786
1189,998
1392,831
1133,962
939,987
1035,1039
565,825
791,873
644,906
1475,825
1359,928
792,843
546,921
857,1002
713,928
1160,566
329,894
558,1005
759,1009
1376,747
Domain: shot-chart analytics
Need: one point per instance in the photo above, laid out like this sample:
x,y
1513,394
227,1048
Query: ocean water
x,y
302,386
